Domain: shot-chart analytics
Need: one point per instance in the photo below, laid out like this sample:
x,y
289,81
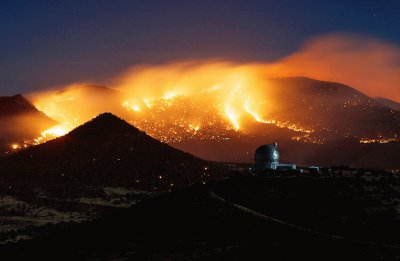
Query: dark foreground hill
x,y
19,121
340,216
105,151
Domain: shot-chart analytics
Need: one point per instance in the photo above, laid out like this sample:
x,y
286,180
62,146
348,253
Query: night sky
x,y
51,43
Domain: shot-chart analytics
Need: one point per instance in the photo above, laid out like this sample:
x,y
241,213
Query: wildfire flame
x,y
170,102
190,100
155,99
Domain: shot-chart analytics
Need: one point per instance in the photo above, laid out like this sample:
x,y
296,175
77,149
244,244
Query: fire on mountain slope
x,y
220,100
242,93
175,102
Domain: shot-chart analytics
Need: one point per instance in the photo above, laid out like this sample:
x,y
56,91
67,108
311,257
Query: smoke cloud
x,y
369,65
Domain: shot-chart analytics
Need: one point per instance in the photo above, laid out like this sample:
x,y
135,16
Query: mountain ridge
x,y
20,120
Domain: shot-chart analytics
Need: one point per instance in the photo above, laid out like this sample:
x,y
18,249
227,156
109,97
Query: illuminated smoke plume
x,y
369,65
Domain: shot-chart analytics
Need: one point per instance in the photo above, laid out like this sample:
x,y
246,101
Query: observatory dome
x,y
267,153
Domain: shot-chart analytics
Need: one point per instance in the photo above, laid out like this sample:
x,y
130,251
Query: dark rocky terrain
x,y
341,214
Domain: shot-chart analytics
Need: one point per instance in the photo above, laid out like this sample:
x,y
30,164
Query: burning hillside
x,y
231,90
224,102
213,101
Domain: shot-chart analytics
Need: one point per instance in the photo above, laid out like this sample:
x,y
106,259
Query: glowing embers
x,y
379,140
15,146
308,138
280,124
209,116
194,127
49,134
248,107
55,131
182,118
131,107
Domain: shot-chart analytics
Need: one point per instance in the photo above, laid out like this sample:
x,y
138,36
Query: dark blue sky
x,y
48,43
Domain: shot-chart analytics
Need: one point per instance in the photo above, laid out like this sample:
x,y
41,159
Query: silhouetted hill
x,y
388,103
103,151
19,121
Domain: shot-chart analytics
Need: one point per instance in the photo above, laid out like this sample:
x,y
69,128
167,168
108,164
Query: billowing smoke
x,y
369,65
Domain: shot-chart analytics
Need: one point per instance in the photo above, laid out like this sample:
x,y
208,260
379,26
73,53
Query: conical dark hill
x,y
105,151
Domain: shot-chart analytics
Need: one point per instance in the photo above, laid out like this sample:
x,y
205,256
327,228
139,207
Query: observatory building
x,y
266,157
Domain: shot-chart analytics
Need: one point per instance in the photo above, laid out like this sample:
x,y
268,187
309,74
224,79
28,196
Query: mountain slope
x,y
340,120
19,121
330,107
14,105
388,103
76,104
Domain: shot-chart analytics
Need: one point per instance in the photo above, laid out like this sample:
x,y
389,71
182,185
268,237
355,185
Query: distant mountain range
x,y
314,123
